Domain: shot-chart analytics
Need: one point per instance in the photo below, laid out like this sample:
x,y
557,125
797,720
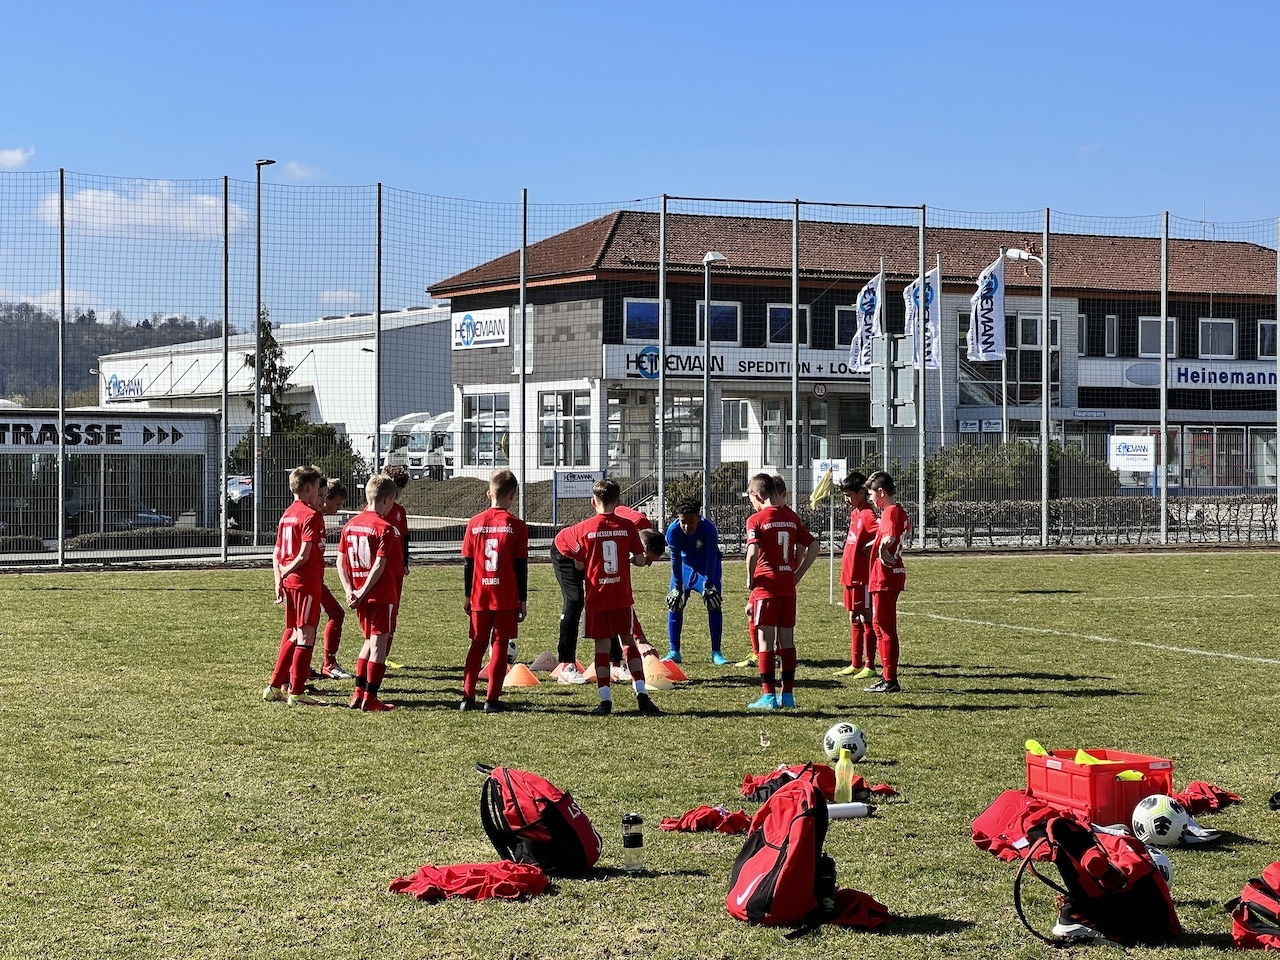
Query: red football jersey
x,y
641,520
889,577
366,537
855,564
298,525
606,544
566,541
495,540
779,535
399,518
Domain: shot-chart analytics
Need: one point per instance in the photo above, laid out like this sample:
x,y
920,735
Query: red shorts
x,y
377,617
301,608
778,612
857,598
490,625
606,624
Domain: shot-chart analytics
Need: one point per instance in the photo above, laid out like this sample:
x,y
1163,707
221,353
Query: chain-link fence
x,y
170,350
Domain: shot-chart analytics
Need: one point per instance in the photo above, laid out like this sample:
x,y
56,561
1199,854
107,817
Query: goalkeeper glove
x,y
675,600
711,597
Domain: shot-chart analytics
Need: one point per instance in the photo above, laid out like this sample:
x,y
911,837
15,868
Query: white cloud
x,y
339,298
16,158
154,209
78,301
293,170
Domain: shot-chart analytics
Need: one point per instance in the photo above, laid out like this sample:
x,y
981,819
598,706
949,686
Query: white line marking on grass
x,y
1049,631
1074,598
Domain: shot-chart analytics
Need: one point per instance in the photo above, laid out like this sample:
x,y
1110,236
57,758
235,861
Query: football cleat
x,y
646,705
603,708
495,706
787,701
334,671
673,656
305,700
767,701
374,705
274,695
719,659
569,673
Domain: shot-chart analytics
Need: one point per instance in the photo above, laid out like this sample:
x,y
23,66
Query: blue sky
x,y
1116,108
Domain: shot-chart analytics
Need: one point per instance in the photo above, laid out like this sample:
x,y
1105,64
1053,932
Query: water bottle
x,y
844,777
633,842
847,811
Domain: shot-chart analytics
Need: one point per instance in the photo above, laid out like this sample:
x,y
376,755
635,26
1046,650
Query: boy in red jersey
x,y
774,534
606,547
333,497
497,593
855,564
370,562
888,577
298,565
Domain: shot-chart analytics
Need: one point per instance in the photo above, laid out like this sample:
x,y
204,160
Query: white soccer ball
x,y
1159,820
1163,863
845,736
512,652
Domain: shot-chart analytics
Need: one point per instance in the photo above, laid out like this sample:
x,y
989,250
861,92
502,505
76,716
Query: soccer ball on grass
x,y
1159,820
845,736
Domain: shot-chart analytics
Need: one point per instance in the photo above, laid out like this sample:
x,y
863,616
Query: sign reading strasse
x,y
103,435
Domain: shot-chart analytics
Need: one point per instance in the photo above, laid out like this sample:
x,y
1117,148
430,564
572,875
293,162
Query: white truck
x,y
424,443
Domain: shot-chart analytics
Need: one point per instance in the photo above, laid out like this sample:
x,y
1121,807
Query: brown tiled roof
x,y
759,248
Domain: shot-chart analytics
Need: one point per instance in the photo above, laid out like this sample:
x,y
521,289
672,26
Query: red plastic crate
x,y
1091,789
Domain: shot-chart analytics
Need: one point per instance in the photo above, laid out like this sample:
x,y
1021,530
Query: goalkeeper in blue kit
x,y
695,568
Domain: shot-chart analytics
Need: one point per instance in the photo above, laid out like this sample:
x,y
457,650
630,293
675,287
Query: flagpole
x,y
922,407
831,539
1004,381
942,362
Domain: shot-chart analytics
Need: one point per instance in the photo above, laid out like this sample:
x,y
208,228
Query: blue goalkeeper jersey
x,y
695,559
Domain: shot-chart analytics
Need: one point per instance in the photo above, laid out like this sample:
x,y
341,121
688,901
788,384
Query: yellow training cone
x,y
1083,758
520,676
1034,748
1130,775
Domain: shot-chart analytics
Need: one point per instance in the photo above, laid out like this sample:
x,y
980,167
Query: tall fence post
x,y
922,408
377,332
524,343
1046,347
1163,445
795,353
223,433
62,367
662,365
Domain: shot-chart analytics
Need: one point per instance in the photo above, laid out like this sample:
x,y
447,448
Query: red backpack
x,y
782,877
530,820
1255,914
1109,884
1012,824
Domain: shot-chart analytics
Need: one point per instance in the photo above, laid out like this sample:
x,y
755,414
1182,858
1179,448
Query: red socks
x,y
376,671
602,669
766,670
280,675
788,657
332,637
497,670
301,669
471,669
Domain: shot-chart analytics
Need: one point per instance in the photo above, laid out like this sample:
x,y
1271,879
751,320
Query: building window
x,y
1112,337
565,418
640,320
1082,335
780,323
1217,339
726,322
1029,331
847,325
1266,339
734,419
486,421
818,431
1149,336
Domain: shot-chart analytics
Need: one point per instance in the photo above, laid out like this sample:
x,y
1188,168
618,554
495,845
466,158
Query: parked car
x,y
239,487
139,518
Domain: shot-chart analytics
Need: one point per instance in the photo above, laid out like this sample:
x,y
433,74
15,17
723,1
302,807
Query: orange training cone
x,y
655,674
520,676
674,672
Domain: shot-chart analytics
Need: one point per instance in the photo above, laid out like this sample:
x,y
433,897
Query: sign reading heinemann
x,y
728,363
476,329
1202,375
103,435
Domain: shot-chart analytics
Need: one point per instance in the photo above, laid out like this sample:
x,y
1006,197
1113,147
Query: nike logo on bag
x,y
746,894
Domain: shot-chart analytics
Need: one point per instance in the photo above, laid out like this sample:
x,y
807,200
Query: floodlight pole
x,y
257,360
710,258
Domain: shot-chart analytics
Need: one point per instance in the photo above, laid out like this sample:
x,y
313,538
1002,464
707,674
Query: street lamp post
x,y
257,362
1017,254
707,261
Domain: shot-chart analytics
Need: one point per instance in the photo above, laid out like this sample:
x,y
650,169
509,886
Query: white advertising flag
x,y
932,310
986,322
870,310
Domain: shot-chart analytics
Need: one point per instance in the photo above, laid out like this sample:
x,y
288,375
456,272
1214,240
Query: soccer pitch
x,y
154,806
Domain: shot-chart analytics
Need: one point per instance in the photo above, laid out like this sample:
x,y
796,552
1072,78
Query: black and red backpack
x,y
530,820
1109,884
782,877
1255,914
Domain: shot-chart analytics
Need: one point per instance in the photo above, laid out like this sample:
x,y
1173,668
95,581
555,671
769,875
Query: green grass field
x,y
154,806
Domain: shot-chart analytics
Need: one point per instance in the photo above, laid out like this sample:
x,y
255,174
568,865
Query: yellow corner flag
x,y
825,488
